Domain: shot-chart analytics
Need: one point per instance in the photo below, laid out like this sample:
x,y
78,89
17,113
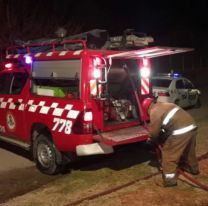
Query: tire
x,y
46,156
198,103
177,102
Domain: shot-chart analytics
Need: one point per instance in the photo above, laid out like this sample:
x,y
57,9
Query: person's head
x,y
146,104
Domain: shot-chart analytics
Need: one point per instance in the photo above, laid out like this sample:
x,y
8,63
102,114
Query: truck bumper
x,y
93,149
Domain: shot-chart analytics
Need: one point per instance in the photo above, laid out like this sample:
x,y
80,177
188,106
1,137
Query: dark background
x,y
171,23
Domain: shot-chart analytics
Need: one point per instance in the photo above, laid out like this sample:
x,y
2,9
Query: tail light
x,y
163,94
87,122
83,124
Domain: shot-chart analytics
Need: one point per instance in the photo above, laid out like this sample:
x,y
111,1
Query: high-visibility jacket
x,y
174,119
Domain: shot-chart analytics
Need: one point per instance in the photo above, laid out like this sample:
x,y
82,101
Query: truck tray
x,y
123,136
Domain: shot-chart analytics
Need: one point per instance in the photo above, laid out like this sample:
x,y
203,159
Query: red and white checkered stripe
x,y
44,54
9,104
40,108
145,83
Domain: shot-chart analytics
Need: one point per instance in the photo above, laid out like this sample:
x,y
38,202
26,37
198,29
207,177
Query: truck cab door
x,y
5,82
181,93
12,106
192,93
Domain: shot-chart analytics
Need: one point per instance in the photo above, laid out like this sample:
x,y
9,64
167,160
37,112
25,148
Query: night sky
x,y
173,23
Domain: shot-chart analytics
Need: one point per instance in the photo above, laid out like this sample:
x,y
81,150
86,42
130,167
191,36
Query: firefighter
x,y
176,131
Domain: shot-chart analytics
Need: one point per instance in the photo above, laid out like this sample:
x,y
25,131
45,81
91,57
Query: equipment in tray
x,y
118,109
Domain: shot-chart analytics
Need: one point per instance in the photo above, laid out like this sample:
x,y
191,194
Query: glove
x,y
162,137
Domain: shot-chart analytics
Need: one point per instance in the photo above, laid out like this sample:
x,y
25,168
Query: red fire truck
x,y
57,101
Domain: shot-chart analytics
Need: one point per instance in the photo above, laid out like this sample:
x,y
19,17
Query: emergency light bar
x,y
175,75
172,74
28,59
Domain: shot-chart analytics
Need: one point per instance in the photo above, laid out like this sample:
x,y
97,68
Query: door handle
x,y
17,103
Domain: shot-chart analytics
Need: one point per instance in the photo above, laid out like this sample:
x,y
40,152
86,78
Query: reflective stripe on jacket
x,y
177,119
169,116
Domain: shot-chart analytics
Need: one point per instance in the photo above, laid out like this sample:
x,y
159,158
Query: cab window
x,y
12,83
18,82
5,82
161,82
179,84
188,84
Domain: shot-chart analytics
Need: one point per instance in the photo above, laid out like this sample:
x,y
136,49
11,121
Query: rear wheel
x,y
46,156
177,102
198,103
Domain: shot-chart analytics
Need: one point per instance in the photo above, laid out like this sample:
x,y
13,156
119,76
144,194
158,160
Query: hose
x,y
193,180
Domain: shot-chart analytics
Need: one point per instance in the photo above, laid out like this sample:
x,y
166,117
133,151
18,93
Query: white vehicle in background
x,y
176,89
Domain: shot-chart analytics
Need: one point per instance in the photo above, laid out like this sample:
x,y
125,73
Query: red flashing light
x,y
97,73
98,64
97,61
8,65
144,65
144,62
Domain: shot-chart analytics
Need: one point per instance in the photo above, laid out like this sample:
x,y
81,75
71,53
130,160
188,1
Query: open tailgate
x,y
123,136
150,52
135,133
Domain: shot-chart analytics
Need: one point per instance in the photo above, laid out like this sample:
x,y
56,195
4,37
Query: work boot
x,y
169,180
191,170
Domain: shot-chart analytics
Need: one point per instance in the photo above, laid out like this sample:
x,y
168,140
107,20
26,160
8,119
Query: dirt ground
x,y
150,193
99,174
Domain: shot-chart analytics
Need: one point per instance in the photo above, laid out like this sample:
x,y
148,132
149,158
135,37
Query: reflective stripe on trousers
x,y
170,175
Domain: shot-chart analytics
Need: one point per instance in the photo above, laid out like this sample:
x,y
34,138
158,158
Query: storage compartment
x,y
120,105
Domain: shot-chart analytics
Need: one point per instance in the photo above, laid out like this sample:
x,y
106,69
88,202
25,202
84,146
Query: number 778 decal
x,y
62,125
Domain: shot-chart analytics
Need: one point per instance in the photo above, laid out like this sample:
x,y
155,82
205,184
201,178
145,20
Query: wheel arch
x,y
39,128
176,101
36,130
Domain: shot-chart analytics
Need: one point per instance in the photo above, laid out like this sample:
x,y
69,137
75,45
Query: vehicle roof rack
x,y
93,39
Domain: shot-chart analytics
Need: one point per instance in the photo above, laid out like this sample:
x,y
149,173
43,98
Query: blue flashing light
x,y
28,59
176,75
